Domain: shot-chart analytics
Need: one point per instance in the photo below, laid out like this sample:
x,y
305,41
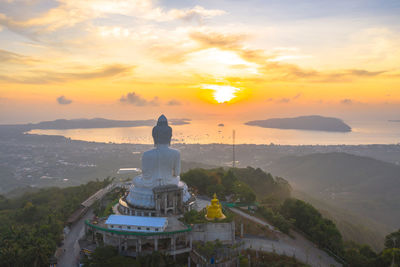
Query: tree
x,y
307,219
392,240
228,181
32,224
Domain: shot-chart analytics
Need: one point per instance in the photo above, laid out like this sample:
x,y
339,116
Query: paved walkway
x,y
254,219
303,249
98,195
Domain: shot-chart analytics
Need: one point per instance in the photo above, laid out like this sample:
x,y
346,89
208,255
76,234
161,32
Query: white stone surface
x,y
161,166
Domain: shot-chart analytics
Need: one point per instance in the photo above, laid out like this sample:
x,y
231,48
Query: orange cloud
x,y
15,58
44,77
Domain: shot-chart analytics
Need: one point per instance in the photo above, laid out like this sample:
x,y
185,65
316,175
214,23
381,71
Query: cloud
x,y
297,96
11,57
133,98
197,13
70,13
231,42
268,64
347,75
290,72
103,72
194,41
62,100
170,54
346,101
174,102
46,77
218,40
360,73
282,100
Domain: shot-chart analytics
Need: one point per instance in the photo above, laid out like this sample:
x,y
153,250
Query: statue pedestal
x,y
141,197
144,197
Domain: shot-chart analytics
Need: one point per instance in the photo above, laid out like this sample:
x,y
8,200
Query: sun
x,y
222,93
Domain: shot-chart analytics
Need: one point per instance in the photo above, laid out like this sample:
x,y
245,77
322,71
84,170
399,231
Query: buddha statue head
x,y
162,133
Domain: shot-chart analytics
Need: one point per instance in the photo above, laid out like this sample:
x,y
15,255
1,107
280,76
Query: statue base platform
x,y
162,200
141,197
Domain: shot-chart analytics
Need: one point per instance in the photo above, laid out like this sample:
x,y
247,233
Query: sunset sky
x,y
239,60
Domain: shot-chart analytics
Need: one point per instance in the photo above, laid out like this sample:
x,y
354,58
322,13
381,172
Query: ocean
x,y
205,132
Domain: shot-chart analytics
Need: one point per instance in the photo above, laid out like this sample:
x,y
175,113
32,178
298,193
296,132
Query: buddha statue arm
x,y
146,166
176,171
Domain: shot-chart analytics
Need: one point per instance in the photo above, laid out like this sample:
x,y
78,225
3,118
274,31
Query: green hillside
x,y
286,213
32,224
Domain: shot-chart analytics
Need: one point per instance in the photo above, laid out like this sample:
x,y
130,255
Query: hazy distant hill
x,y
312,123
365,186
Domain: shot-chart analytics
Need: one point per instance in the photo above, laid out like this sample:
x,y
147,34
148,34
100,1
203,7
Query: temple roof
x,y
137,221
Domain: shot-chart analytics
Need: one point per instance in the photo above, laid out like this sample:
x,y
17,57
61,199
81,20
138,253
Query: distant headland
x,y
63,124
309,123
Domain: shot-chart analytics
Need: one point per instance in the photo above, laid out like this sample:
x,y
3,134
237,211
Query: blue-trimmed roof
x,y
136,220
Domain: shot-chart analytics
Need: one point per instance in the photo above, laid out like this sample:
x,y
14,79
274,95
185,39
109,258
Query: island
x,y
309,123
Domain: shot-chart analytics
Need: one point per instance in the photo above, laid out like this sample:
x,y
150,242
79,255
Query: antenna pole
x,y
233,150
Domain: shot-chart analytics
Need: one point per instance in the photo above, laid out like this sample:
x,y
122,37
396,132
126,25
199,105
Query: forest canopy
x,y
32,224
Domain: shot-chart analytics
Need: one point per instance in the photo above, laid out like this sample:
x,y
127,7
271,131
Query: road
x,y
303,249
254,219
71,255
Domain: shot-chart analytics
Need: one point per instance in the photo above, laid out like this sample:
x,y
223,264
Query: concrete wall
x,y
225,232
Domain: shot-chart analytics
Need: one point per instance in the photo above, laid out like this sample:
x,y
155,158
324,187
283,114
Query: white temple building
x,y
137,223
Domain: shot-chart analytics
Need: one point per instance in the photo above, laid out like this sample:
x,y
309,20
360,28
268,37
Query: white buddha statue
x,y
160,166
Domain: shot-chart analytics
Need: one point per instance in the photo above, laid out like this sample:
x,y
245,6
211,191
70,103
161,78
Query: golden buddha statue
x,y
214,211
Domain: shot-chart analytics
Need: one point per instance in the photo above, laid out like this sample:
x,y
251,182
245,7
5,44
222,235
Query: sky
x,y
206,59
